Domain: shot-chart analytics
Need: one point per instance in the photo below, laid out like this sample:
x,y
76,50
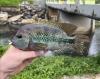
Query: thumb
x,y
30,54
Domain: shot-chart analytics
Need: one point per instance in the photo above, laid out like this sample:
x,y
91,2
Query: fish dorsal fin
x,y
66,27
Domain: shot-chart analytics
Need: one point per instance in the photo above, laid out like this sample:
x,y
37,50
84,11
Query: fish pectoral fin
x,y
40,46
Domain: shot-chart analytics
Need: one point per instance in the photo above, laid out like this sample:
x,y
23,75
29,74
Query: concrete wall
x,y
41,3
84,23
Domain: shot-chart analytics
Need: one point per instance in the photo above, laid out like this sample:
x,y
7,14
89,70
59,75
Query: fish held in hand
x,y
37,37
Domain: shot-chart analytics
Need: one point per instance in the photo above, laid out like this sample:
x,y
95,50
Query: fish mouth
x,y
10,42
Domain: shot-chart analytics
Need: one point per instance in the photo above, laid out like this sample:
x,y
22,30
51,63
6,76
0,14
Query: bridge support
x,y
83,23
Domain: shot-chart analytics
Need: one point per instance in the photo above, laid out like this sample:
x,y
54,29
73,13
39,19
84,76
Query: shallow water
x,y
95,43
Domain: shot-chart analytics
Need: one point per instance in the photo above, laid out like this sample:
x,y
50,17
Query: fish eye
x,y
19,36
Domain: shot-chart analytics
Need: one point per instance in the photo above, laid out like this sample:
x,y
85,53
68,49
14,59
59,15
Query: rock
x,y
25,5
15,18
28,21
41,14
33,20
3,16
35,16
10,10
29,10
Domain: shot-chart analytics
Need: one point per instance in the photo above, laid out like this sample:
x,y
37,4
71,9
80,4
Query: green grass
x,y
3,49
58,66
9,2
12,3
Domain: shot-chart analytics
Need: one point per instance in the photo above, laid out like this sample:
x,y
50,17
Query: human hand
x,y
14,60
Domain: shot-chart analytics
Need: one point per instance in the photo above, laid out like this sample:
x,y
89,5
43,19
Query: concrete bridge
x,y
81,13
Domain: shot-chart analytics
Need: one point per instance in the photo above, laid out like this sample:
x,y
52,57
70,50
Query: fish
x,y
43,37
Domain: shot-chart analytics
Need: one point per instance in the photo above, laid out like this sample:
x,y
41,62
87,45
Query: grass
x,y
3,49
58,66
12,3
9,2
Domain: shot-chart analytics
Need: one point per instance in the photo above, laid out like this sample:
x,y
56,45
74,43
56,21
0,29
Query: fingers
x,y
21,66
18,69
24,54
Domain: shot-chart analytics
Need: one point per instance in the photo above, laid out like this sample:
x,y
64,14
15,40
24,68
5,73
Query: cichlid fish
x,y
43,36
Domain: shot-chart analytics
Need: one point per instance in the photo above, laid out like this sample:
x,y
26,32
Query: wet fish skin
x,y
37,37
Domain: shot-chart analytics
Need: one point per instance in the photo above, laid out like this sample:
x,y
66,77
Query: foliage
x,y
98,1
13,3
3,49
9,2
57,66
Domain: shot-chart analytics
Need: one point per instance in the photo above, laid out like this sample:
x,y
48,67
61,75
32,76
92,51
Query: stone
x,y
28,21
15,18
3,16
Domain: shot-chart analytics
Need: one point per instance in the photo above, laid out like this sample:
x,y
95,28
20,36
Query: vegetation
x,y
13,3
98,1
3,49
58,66
9,2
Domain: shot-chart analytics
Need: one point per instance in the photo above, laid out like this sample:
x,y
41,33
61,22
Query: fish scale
x,y
42,36
55,40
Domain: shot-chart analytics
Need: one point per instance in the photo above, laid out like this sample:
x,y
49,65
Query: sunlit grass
x,y
12,3
9,2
